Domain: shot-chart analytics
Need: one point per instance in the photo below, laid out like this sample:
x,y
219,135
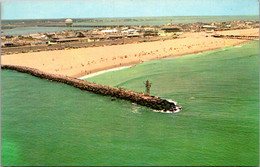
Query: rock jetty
x,y
153,102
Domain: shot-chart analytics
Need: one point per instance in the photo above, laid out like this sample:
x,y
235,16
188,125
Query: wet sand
x,y
84,61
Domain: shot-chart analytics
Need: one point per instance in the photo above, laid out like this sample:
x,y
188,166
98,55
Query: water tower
x,y
68,23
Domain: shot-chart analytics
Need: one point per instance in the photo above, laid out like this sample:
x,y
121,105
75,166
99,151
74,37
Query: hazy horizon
x,y
21,10
124,17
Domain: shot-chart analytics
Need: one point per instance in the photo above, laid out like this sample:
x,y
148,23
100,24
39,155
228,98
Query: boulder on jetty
x,y
138,98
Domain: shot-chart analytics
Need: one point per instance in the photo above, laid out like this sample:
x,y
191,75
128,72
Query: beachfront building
x,y
149,32
50,35
93,39
209,28
113,37
80,34
131,31
124,29
228,26
9,44
109,31
124,32
170,31
133,35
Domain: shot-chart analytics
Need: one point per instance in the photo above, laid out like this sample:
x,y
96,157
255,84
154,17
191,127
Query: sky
x,y
49,9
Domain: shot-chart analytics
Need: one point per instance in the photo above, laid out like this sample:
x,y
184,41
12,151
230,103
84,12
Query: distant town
x,y
105,35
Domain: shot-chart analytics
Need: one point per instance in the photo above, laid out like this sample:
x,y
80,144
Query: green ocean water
x,y
48,123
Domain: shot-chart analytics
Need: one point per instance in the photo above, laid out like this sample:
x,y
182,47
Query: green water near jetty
x,y
48,123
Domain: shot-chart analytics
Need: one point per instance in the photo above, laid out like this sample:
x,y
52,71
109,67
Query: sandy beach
x,y
84,61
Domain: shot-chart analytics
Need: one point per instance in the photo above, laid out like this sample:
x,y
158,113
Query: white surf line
x,y
102,72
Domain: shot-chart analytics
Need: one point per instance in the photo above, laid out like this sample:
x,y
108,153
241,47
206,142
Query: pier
x,y
152,102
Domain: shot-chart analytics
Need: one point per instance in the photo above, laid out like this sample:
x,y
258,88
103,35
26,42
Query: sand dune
x,y
82,61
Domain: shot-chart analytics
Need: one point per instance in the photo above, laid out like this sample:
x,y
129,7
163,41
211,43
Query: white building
x,y
108,31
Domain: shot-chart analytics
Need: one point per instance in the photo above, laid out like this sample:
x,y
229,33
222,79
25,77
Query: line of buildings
x,y
113,33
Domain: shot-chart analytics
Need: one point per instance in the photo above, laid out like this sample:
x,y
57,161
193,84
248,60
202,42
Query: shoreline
x,y
131,64
82,75
86,61
104,71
